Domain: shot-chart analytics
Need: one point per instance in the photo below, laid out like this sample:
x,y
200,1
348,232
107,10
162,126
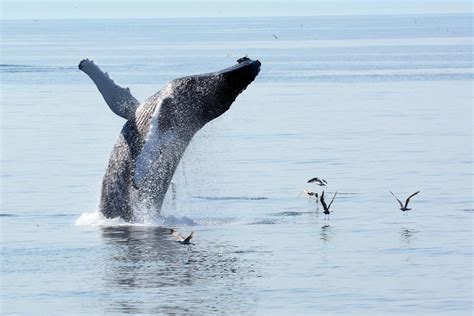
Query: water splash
x,y
96,218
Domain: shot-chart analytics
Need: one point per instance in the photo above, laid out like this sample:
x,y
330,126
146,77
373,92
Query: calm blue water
x,y
371,104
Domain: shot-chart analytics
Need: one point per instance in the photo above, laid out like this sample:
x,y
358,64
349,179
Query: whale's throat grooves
x,y
117,190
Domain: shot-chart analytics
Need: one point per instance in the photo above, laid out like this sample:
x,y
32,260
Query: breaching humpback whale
x,y
158,131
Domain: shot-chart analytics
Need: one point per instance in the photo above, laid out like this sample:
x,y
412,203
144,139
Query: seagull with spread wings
x,y
325,206
404,208
309,193
320,182
180,238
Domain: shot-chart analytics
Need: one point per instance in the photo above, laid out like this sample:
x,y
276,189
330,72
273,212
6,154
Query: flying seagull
x,y
309,193
180,238
404,207
187,240
320,182
325,206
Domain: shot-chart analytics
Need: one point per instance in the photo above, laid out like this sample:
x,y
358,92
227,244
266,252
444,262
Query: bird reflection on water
x,y
326,233
177,278
407,234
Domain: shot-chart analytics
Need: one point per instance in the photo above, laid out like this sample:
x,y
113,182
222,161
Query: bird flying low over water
x,y
404,207
325,206
309,193
320,182
187,240
180,238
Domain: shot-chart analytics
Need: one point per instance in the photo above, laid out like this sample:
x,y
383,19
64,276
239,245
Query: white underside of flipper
x,y
119,99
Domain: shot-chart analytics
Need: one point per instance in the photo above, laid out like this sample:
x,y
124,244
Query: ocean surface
x,y
369,103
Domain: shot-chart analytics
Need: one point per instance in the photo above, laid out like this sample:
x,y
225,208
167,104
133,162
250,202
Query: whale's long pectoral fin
x,y
119,99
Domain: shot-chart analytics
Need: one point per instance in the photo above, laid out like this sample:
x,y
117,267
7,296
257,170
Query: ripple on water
x,y
135,253
229,198
292,213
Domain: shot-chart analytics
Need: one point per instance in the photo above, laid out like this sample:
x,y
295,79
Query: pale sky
x,y
84,9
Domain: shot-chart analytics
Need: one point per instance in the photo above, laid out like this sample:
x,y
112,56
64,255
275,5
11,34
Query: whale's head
x,y
205,97
235,80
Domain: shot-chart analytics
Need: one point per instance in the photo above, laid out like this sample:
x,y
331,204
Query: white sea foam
x,y
96,218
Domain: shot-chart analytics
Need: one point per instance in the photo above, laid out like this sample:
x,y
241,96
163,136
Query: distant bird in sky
x,y
320,182
325,206
404,207
274,36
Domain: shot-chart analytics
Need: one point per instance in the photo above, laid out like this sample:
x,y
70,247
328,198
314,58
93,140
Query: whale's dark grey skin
x,y
158,131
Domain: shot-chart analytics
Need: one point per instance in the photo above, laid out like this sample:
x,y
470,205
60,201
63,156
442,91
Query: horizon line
x,y
236,16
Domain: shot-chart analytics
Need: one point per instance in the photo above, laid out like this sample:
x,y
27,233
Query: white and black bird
x,y
320,182
325,206
404,208
180,238
309,193
187,240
